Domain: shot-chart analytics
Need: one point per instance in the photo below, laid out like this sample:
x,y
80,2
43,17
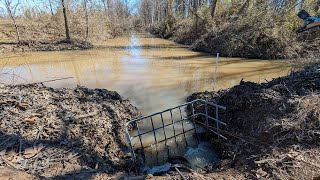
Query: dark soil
x,y
30,45
273,128
55,132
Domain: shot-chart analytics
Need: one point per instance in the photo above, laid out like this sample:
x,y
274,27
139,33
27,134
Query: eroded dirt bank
x,y
55,132
241,39
273,128
36,45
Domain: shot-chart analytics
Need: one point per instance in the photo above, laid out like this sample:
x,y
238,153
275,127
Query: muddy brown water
x,y
155,74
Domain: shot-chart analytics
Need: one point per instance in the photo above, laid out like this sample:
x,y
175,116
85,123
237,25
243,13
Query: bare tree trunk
x,y
16,27
65,20
160,12
183,9
127,8
104,6
213,7
166,8
191,9
51,9
156,10
195,14
87,17
172,9
11,12
109,3
244,6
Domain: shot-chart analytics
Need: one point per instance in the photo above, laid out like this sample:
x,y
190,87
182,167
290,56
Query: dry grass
x,y
292,163
300,160
306,117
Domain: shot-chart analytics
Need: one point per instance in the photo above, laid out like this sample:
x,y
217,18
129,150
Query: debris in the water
x,y
200,130
160,169
202,156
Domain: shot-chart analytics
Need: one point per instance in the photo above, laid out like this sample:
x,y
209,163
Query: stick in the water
x,y
216,71
59,79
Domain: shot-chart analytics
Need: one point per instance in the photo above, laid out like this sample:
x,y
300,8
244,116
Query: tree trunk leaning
x,y
65,21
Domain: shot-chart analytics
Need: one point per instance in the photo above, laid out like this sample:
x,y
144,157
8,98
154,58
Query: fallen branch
x,y
9,163
304,161
87,115
180,173
59,79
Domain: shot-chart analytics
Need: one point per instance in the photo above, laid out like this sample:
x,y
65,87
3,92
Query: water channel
x,y
153,73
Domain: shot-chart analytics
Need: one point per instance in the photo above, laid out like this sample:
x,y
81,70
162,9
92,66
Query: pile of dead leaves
x,y
52,132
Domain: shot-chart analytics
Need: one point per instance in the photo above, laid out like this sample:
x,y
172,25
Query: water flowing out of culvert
x,y
172,138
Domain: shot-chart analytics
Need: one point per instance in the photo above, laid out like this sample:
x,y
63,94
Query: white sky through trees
x,y
43,5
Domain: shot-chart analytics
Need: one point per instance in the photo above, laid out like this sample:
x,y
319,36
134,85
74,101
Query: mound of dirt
x,y
273,128
55,132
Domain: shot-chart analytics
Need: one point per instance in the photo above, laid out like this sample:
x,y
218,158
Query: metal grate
x,y
200,118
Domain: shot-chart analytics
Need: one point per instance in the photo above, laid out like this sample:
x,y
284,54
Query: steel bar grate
x,y
201,118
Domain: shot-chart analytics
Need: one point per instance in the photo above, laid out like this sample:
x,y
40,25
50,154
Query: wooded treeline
x,y
154,11
241,28
56,19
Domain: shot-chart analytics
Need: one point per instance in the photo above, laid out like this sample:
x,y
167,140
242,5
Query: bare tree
x,y
85,3
104,6
65,20
213,7
11,7
51,9
244,6
195,6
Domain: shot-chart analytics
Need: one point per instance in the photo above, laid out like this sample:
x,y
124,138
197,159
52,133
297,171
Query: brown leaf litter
x,y
53,132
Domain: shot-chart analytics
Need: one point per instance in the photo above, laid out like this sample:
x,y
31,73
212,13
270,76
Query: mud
x,y
55,133
273,128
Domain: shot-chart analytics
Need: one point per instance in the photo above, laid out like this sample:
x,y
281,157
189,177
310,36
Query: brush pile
x,y
53,132
273,128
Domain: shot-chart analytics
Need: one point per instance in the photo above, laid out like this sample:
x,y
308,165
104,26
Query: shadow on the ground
x,y
90,161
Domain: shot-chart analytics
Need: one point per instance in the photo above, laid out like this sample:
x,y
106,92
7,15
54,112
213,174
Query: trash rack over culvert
x,y
210,117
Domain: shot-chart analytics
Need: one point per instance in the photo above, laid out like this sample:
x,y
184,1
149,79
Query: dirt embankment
x,y
64,133
241,38
62,45
273,128
40,36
